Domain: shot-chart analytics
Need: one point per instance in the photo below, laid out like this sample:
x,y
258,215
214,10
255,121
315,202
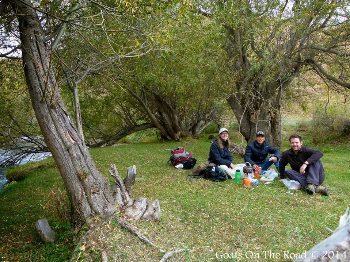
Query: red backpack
x,y
180,156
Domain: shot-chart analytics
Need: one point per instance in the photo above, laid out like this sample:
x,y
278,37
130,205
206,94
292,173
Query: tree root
x,y
134,230
171,253
138,233
132,209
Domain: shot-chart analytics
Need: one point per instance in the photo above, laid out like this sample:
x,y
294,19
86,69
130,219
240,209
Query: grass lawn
x,y
220,221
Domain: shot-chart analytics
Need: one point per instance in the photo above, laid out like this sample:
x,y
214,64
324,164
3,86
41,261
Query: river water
x,y
29,158
3,179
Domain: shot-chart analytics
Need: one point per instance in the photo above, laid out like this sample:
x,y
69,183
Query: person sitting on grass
x,y
260,153
220,155
306,166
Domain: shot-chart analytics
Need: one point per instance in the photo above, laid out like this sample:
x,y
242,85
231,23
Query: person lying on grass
x,y
306,166
220,155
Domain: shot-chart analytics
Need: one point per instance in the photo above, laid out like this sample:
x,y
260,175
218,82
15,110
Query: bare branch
x,y
331,13
330,77
62,27
327,50
132,229
172,253
284,8
7,54
120,134
41,11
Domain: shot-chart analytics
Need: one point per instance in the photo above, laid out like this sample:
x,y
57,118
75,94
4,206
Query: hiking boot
x,y
322,190
310,189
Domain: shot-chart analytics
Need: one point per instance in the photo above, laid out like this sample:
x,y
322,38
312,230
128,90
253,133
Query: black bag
x,y
189,163
214,173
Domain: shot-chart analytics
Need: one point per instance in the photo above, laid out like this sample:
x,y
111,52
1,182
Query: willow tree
x,y
179,87
91,57
165,75
87,189
269,43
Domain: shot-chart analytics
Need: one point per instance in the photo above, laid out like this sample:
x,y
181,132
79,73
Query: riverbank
x,y
3,179
5,155
40,194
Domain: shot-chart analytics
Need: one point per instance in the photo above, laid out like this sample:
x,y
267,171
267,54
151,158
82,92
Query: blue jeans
x,y
266,164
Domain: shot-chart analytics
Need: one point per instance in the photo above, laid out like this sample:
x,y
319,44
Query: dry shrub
x,y
16,175
329,126
303,126
19,174
58,204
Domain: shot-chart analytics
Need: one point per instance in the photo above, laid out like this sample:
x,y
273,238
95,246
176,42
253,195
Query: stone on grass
x,y
45,231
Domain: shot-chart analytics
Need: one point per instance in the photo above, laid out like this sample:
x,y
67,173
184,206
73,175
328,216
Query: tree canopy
x,y
269,43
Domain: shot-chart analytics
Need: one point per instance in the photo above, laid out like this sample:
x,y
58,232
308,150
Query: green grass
x,y
220,221
22,204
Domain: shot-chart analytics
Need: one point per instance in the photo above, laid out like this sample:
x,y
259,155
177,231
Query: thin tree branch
x,y
10,52
138,233
173,252
330,77
327,50
120,134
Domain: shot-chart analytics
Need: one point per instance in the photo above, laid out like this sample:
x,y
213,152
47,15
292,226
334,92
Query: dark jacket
x,y
256,153
296,160
219,156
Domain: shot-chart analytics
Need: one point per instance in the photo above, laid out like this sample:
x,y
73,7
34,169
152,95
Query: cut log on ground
x,y
132,209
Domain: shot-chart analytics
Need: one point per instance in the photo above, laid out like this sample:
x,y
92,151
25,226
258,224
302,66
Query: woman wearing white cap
x,y
219,153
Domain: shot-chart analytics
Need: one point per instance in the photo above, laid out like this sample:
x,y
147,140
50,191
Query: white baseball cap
x,y
223,130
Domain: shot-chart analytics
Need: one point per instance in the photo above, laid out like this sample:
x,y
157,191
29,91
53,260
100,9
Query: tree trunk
x,y
199,126
259,82
77,110
260,113
88,190
162,115
168,116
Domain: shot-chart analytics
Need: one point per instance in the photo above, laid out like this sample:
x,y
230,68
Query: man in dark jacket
x,y
306,166
261,153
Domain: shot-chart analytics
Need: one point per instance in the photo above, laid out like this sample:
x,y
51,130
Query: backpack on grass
x,y
214,173
209,172
180,156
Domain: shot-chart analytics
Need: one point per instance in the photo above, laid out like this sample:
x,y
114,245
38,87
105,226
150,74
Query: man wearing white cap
x,y
219,153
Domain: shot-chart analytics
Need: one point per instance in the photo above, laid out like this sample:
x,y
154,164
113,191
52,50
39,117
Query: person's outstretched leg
x,y
294,175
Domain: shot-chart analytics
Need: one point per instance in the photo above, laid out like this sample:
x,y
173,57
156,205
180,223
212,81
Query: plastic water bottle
x,y
238,176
